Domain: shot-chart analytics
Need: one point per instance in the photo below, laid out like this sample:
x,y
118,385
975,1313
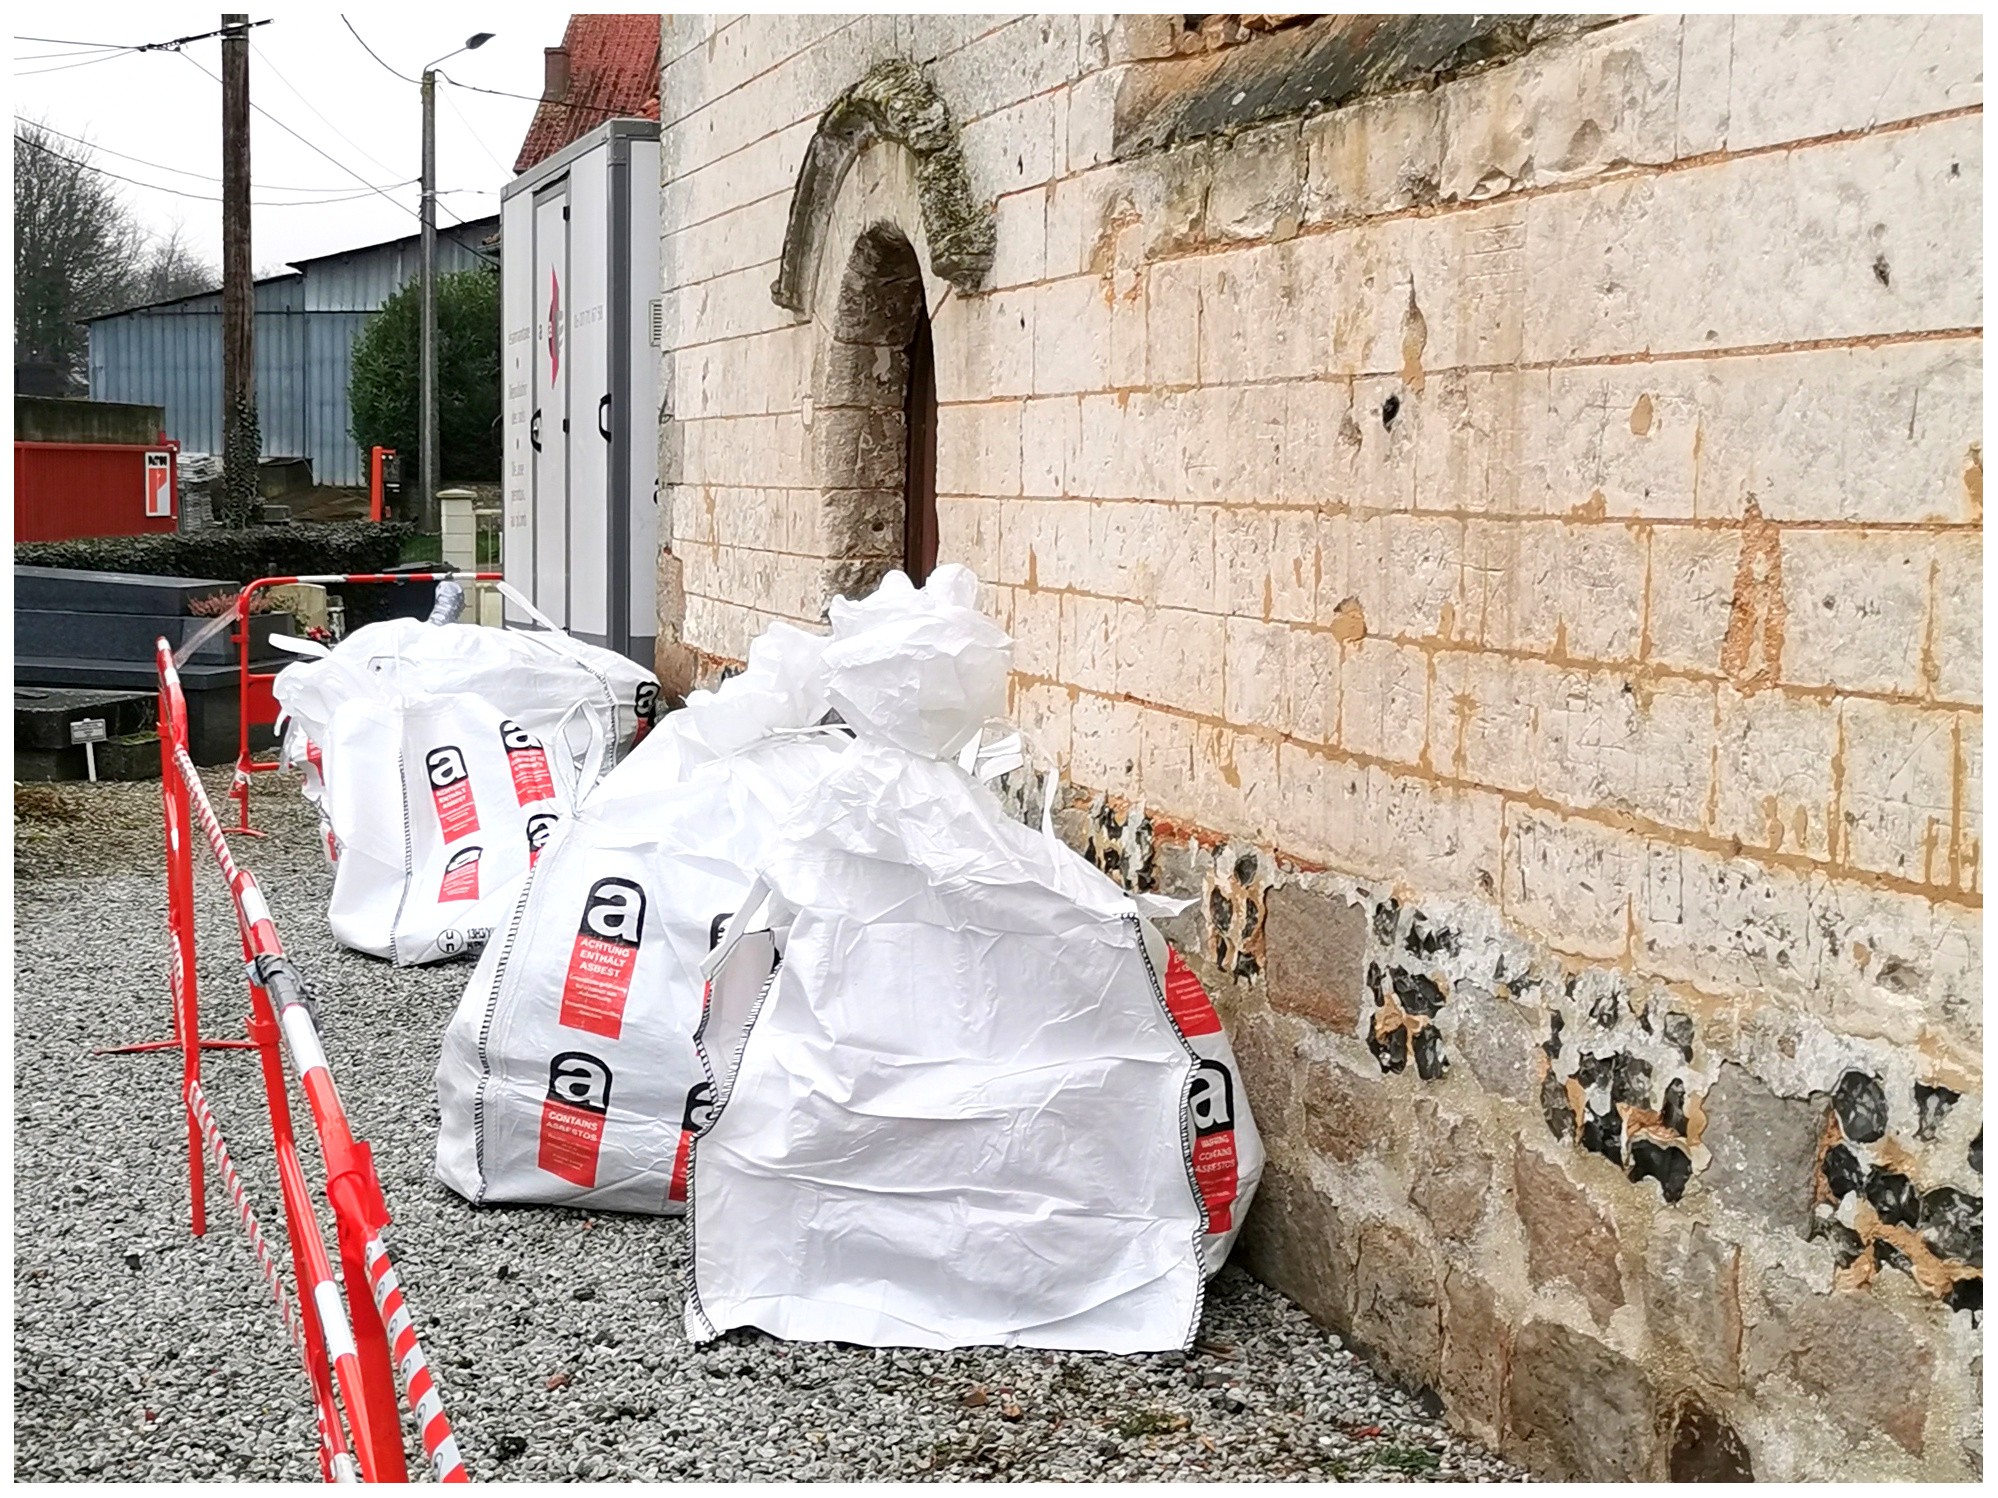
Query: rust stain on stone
x,y
1414,338
1465,705
1593,508
1832,822
1696,1118
1752,650
1349,622
1640,417
1973,482
1772,823
1933,1273
1931,668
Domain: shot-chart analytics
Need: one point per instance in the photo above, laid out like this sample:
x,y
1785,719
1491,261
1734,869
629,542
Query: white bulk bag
x,y
438,805
568,1072
978,1104
537,678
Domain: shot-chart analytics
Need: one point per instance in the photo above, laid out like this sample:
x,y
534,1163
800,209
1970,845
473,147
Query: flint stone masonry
x,y
1490,512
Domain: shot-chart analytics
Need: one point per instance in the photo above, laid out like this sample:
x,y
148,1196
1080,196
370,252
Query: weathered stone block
x,y
1343,1112
1568,1235
1256,192
1856,607
1868,1367
1452,1175
1576,1409
1398,1315
1476,1340
1692,1298
1764,1150
1270,1073
1498,1040
1295,1241
1315,955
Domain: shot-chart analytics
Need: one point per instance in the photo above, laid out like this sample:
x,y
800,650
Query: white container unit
x,y
580,264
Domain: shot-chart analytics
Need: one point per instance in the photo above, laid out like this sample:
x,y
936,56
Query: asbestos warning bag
x,y
439,806
979,1100
568,1072
540,679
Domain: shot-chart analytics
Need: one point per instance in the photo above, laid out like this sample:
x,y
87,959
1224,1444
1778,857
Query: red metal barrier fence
x,y
256,706
352,1347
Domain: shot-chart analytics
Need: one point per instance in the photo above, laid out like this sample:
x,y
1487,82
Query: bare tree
x,y
78,252
170,268
75,250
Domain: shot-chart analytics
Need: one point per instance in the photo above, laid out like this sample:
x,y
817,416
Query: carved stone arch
x,y
896,102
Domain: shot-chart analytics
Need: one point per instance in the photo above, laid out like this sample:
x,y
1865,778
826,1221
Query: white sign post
x,y
88,732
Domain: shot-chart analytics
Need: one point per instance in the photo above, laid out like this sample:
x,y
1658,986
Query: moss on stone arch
x,y
896,102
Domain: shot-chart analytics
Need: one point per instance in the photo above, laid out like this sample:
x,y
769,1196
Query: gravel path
x,y
143,1353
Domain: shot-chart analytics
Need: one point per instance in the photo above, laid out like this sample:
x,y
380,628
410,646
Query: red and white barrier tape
x,y
439,1444
197,1103
301,1037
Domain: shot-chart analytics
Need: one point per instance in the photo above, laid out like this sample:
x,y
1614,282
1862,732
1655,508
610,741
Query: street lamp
x,y
426,421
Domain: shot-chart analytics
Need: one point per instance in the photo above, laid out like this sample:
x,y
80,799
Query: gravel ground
x,y
143,1353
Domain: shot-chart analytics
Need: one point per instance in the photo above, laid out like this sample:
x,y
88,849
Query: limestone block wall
x,y
1496,513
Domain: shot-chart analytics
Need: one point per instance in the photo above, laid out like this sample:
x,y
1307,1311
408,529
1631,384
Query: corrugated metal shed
x,y
170,353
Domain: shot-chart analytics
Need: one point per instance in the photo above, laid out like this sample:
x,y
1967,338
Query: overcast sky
x,y
310,74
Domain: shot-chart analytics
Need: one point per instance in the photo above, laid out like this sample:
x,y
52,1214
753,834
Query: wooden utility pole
x,y
242,444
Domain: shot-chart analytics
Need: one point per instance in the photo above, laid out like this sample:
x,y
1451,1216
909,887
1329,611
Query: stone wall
x,y
1494,509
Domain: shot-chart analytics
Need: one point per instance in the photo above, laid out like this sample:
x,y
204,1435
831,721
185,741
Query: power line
x,y
70,67
178,171
312,146
606,110
45,56
168,46
201,197
370,50
315,109
476,137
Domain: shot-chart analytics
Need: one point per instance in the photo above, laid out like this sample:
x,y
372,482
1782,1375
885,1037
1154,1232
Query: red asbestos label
x,y
461,877
601,964
1214,1173
1187,1001
451,790
677,1192
573,1116
700,1105
529,763
1211,1109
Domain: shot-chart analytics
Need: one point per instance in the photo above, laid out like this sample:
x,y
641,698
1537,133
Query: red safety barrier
x,y
256,706
352,1347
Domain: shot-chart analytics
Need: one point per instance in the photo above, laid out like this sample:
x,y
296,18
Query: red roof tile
x,y
613,74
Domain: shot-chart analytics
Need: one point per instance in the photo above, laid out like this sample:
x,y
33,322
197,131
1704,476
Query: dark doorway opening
x,y
919,467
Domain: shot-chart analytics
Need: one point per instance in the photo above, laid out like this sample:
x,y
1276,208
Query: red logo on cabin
x,y
554,327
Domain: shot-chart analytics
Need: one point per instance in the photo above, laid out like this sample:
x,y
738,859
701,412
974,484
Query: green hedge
x,y
261,551
231,556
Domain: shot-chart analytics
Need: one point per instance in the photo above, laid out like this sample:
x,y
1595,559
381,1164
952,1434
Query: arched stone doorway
x,y
877,432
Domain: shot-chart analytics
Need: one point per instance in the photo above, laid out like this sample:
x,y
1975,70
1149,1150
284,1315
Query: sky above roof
x,y
328,122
